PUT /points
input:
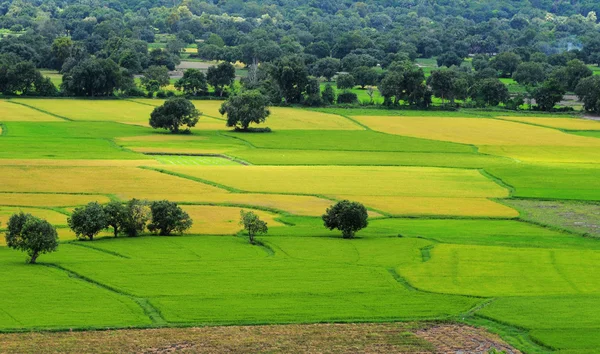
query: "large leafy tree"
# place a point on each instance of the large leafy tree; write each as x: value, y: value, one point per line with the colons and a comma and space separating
x: 30, y: 234
x: 193, y: 82
x: 174, y: 114
x: 245, y: 108
x: 588, y: 92
x: 291, y: 76
x: 168, y: 218
x: 529, y: 74
x: 548, y: 94
x: 86, y: 222
x: 365, y: 76
x: 138, y: 214
x: 116, y: 215
x: 155, y: 77
x: 506, y: 63
x: 346, y: 216
x: 326, y: 67
x: 93, y: 77
x: 220, y: 76
x: 490, y: 92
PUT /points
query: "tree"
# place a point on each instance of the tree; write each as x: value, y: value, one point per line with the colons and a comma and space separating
x: 548, y: 94
x: 247, y: 107
x: 30, y: 234
x: 252, y: 224
x: 588, y: 92
x: 328, y: 94
x: 87, y: 221
x: 449, y: 59
x: 220, y: 76
x: 155, y: 77
x: 529, y: 74
x: 345, y: 81
x: 116, y: 215
x: 193, y: 82
x: 167, y: 218
x: 138, y: 214
x: 365, y: 76
x: 61, y: 50
x: 441, y: 82
x: 291, y: 76
x: 173, y: 114
x: 92, y: 77
x: 326, y: 67
x: 489, y: 92
x: 313, y: 92
x: 347, y: 217
x: 506, y: 63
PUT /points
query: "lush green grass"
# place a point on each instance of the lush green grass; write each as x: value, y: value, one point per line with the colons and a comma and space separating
x: 457, y: 253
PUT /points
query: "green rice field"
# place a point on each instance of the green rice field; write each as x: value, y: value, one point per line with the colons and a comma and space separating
x: 475, y: 218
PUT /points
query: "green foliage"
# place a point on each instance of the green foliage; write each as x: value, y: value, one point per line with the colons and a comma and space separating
x: 116, y: 216
x: 588, y: 91
x: 138, y: 214
x: 347, y: 97
x: 506, y: 63
x: 529, y: 74
x: 548, y: 94
x: 82, y: 79
x: 365, y: 76
x: 328, y: 94
x: 347, y: 217
x: 168, y: 218
x: 30, y: 234
x: 326, y: 67
x: 252, y: 224
x: 489, y: 92
x: 88, y: 221
x: 173, y: 114
x: 155, y: 77
x: 220, y: 76
x: 193, y: 82
x: 345, y: 81
x: 245, y: 108
x: 291, y: 76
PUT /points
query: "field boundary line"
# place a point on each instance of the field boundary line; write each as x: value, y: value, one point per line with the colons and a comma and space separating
x: 40, y: 110
x: 223, y: 156
x: 196, y: 179
x: 112, y: 253
x: 149, y: 310
x: 499, y: 181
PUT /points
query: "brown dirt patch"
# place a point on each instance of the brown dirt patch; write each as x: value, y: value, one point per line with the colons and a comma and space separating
x: 316, y: 338
x: 463, y: 339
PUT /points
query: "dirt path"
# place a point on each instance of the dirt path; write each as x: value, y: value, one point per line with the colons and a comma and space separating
x: 463, y: 339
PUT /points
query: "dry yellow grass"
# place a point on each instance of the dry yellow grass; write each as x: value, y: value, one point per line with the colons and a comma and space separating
x: 561, y: 123
x: 11, y: 112
x: 293, y: 204
x: 53, y: 217
x: 78, y: 163
x: 49, y: 200
x: 124, y: 182
x: 478, y: 131
x: 345, y: 180
x: 220, y: 220
x: 416, y: 206
x: 94, y: 110
x: 545, y: 154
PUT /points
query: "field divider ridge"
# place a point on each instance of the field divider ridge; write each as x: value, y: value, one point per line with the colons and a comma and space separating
x: 41, y: 110
x: 152, y: 312
x: 112, y: 253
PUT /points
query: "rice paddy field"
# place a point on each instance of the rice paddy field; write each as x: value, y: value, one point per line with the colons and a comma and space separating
x: 475, y: 218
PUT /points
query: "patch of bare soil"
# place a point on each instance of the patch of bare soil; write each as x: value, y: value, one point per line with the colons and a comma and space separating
x: 463, y: 339
x: 316, y: 338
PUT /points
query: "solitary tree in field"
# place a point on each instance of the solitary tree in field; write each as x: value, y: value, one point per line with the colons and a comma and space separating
x: 252, y: 224
x: 87, y: 221
x: 347, y: 217
x: 245, y: 108
x: 173, y: 114
x: 32, y: 235
x: 167, y: 218
x: 116, y: 216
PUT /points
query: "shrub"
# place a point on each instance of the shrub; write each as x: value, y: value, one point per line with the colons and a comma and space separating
x: 161, y: 94
x: 347, y: 97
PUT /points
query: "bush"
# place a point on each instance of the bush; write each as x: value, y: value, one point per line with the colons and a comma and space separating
x: 347, y: 217
x: 347, y: 97
x: 135, y: 92
x: 161, y: 94
x: 170, y: 93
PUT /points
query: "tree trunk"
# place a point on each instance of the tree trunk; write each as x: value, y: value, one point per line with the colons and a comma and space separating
x: 116, y: 230
x: 251, y: 236
x: 34, y: 257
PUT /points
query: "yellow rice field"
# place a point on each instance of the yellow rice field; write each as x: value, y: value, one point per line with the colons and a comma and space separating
x: 221, y: 220
x: 93, y: 110
x: 429, y: 206
x: 545, y: 154
x: 78, y: 163
x: 293, y: 204
x: 11, y: 112
x: 342, y: 180
x: 124, y: 182
x: 477, y: 131
x: 53, y: 217
x: 561, y: 123
x: 49, y: 200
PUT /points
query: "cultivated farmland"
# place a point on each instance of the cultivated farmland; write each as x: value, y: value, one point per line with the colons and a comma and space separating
x: 474, y: 218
